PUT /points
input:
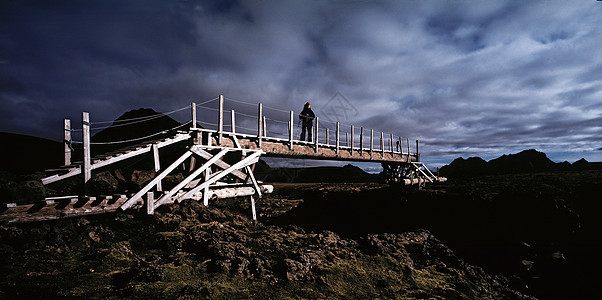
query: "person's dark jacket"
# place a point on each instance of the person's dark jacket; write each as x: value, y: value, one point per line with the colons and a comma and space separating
x: 307, y: 116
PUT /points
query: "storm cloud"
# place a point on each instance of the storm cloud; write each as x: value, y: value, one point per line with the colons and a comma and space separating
x: 466, y: 78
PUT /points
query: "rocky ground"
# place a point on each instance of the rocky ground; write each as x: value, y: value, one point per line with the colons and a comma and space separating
x: 540, y: 232
x: 189, y: 251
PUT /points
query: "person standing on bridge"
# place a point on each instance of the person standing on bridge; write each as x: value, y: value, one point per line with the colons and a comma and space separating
x: 306, y: 117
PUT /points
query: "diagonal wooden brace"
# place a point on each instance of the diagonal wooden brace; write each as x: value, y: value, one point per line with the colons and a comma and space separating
x: 217, y: 176
x: 190, y: 177
x: 220, y: 163
x: 248, y: 169
x: 155, y: 180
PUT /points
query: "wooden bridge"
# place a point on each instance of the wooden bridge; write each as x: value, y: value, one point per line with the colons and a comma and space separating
x: 215, y: 178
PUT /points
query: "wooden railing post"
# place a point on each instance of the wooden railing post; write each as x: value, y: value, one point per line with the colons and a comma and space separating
x: 259, y: 121
x: 408, y: 140
x: 206, y: 189
x: 316, y: 137
x: 221, y: 119
x: 67, y: 141
x: 417, y: 153
x: 347, y: 139
x: 291, y: 128
x: 382, y: 144
x: 327, y: 137
x: 361, y: 140
x: 87, y: 166
x: 351, y: 139
x: 337, y: 135
x: 371, y: 141
x: 391, y: 143
x: 233, y: 121
x: 157, y: 165
x: 193, y: 111
x: 150, y: 203
x: 265, y: 127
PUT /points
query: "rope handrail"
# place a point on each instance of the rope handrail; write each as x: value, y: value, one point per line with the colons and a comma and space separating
x: 240, y: 101
x: 322, y: 121
x: 140, y: 138
x: 206, y: 107
x: 246, y: 115
x: 142, y: 119
x: 157, y: 115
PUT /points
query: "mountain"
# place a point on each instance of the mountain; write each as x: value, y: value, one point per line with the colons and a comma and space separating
x: 527, y: 161
x: 133, y: 127
x: 23, y: 154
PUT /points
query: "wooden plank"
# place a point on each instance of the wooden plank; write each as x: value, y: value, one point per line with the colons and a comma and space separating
x: 351, y: 139
x: 23, y: 213
x: 281, y: 149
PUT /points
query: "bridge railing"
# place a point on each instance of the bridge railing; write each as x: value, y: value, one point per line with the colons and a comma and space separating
x: 252, y: 120
x: 271, y: 124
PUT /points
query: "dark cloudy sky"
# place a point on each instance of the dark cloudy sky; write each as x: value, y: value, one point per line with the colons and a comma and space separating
x: 467, y: 78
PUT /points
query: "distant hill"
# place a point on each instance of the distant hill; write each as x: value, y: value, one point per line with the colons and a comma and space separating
x: 133, y: 126
x: 347, y: 173
x: 23, y: 154
x: 527, y: 161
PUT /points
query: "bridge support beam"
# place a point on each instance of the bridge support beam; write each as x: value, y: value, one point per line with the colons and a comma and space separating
x: 291, y: 132
x: 337, y: 135
x: 259, y: 125
x: 157, y: 165
x: 316, y: 135
x: 87, y: 166
x: 361, y: 140
x: 220, y: 119
x: 67, y: 141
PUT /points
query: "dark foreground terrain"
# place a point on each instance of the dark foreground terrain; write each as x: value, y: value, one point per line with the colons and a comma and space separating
x: 541, y: 232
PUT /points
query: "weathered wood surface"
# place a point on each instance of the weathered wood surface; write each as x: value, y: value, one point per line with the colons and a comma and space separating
x: 308, y: 150
x: 60, y: 208
x: 74, y: 206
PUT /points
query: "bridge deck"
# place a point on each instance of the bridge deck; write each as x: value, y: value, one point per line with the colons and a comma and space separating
x: 306, y: 150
